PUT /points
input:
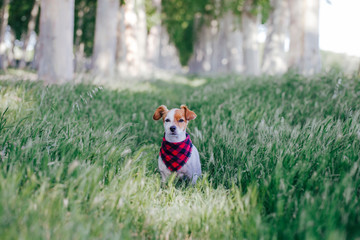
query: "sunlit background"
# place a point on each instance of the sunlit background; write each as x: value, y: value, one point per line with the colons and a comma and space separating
x: 339, y: 26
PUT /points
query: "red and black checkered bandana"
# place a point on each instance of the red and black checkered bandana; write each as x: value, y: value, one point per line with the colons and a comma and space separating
x: 175, y: 155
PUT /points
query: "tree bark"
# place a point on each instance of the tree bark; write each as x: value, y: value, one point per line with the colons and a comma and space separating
x: 35, y: 62
x: 142, y: 29
x: 56, y: 41
x: 4, y: 22
x: 274, y: 60
x: 105, y: 37
x: 31, y: 28
x: 304, y: 53
x: 250, y: 24
x: 132, y: 38
x: 120, y: 35
x: 200, y: 61
x: 231, y: 40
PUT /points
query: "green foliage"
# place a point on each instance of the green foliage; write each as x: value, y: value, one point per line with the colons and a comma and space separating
x: 152, y: 16
x: 19, y: 16
x: 86, y: 9
x: 184, y: 18
x: 179, y: 18
x: 280, y: 157
x: 265, y: 9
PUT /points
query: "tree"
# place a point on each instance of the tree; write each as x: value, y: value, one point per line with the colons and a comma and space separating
x: 274, y: 60
x: 132, y: 38
x: 4, y: 22
x: 161, y: 52
x: 304, y: 53
x: 218, y: 48
x: 250, y: 21
x: 56, y: 41
x: 208, y: 33
x: 183, y: 20
x: 105, y: 37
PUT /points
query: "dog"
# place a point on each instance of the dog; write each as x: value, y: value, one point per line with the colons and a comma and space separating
x: 177, y: 153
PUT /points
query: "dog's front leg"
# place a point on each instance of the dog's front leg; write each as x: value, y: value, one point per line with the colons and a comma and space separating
x: 194, y: 179
x: 163, y: 177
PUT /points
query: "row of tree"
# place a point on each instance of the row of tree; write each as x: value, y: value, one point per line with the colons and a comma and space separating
x: 138, y: 36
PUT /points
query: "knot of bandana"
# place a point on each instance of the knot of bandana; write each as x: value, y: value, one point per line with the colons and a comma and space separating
x: 175, y: 155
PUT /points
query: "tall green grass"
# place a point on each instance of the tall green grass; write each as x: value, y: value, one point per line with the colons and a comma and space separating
x: 280, y: 157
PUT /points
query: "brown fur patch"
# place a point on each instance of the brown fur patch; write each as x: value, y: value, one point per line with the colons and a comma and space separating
x: 160, y: 112
x: 189, y: 115
x: 180, y: 114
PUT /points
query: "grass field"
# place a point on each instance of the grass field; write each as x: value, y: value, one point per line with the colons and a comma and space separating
x: 280, y: 157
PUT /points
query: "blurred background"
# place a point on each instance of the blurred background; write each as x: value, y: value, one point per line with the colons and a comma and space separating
x: 60, y: 40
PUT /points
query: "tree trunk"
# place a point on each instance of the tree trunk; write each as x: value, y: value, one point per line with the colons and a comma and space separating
x: 56, y: 41
x: 120, y: 35
x: 35, y: 62
x: 142, y: 29
x: 200, y: 61
x: 274, y: 60
x: 304, y: 53
x: 4, y: 22
x: 229, y: 54
x: 161, y: 53
x: 105, y: 37
x: 31, y: 27
x: 132, y: 35
x: 250, y: 24
x: 218, y: 48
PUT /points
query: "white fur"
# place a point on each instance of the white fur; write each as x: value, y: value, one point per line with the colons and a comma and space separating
x: 179, y: 135
x: 192, y: 168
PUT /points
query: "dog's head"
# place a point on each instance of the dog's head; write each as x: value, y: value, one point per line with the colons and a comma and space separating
x: 175, y: 121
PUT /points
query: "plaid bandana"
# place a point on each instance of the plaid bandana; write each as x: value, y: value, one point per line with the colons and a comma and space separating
x: 175, y: 155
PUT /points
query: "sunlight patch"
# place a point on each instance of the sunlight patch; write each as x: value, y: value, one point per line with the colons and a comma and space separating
x: 17, y: 103
x: 172, y: 78
x: 11, y: 99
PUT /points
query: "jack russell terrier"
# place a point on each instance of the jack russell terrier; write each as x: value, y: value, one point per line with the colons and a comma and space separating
x: 177, y: 153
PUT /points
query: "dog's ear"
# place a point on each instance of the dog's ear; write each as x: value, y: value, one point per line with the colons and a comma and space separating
x: 160, y: 111
x: 189, y: 115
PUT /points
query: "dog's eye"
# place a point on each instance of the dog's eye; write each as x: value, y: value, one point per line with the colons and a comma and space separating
x: 181, y: 120
x: 167, y: 120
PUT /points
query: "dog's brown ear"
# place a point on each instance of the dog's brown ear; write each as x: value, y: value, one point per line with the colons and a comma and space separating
x: 160, y: 111
x: 189, y: 115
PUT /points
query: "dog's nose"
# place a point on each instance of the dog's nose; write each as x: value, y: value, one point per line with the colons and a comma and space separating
x: 172, y: 128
